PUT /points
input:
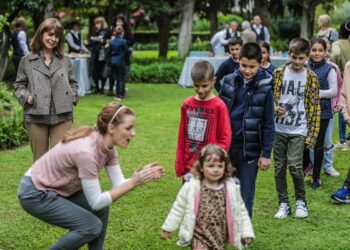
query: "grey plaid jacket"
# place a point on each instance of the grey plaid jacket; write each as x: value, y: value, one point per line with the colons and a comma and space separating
x: 34, y: 79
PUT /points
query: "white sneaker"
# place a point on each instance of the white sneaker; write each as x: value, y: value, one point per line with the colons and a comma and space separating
x: 283, y: 211
x: 301, y: 209
x: 342, y: 146
x: 332, y: 172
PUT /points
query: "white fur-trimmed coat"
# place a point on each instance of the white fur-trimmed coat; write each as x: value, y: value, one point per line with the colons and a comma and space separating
x: 185, y: 209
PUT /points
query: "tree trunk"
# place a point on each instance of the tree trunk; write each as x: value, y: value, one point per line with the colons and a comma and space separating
x: 4, y: 48
x: 307, y: 18
x: 38, y: 17
x: 185, y: 36
x: 49, y: 10
x: 5, y: 41
x: 110, y: 13
x: 261, y: 9
x: 163, y: 23
x: 213, y: 17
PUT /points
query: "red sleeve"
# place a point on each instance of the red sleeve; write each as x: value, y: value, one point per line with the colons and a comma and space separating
x: 180, y: 152
x: 224, y: 128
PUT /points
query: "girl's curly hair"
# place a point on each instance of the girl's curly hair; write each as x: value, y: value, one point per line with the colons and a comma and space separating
x: 207, y: 153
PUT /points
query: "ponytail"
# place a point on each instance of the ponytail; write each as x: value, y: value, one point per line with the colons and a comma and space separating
x: 78, y: 133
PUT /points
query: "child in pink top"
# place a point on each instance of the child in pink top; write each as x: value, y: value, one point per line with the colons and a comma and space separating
x: 62, y: 188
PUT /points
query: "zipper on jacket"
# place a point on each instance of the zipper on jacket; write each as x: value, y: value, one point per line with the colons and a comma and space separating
x: 243, y: 123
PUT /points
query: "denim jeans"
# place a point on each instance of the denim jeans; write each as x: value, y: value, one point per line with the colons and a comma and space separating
x: 342, y: 127
x: 328, y: 148
x: 247, y: 171
x: 73, y: 213
x: 288, y: 152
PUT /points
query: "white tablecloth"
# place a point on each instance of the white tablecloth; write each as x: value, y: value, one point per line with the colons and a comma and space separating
x: 185, y: 77
x: 81, y: 72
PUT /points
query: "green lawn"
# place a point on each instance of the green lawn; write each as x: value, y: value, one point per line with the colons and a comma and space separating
x: 135, y: 220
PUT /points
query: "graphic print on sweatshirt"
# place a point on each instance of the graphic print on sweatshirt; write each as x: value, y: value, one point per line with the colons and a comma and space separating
x: 199, y: 122
x: 292, y: 100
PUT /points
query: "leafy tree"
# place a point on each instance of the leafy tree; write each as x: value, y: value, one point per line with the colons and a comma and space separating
x: 163, y: 11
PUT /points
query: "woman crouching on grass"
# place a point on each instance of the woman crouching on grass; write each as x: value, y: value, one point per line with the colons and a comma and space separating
x: 62, y: 187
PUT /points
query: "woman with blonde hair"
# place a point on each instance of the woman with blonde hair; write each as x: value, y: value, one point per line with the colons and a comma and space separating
x: 46, y: 88
x: 62, y: 188
x: 326, y: 31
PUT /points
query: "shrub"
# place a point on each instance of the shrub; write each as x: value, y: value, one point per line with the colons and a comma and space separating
x: 12, y: 132
x: 284, y: 29
x: 152, y: 36
x: 157, y: 72
x: 228, y: 19
x: 197, y: 45
x: 10, y: 74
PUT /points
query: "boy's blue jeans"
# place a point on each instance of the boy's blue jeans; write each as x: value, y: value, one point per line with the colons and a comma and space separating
x: 247, y: 172
x: 342, y: 127
x: 73, y: 213
x: 328, y: 148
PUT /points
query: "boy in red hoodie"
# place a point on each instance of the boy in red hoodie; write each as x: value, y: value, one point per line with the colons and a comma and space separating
x: 204, y: 120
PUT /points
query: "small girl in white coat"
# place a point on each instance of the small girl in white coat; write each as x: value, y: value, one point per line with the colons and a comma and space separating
x: 209, y: 207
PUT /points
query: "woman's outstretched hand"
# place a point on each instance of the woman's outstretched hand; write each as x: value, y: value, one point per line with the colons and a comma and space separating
x: 148, y: 173
x: 141, y: 176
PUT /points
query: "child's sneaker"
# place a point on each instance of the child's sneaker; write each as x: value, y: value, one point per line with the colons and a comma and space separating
x: 316, y: 183
x: 342, y: 146
x: 342, y: 195
x: 283, y: 211
x: 301, y: 209
x: 331, y: 171
x: 309, y: 169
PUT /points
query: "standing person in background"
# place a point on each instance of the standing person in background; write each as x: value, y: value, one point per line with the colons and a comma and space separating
x: 324, y: 23
x: 46, y: 88
x: 62, y: 188
x: 98, y: 53
x: 217, y: 47
x: 120, y: 20
x: 118, y: 51
x: 231, y: 64
x: 261, y: 31
x: 247, y: 34
x: 266, y: 62
x: 19, y: 42
x: 340, y: 56
x: 75, y: 40
x: 231, y: 31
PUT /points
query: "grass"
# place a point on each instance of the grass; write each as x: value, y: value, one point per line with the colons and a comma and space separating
x: 135, y: 219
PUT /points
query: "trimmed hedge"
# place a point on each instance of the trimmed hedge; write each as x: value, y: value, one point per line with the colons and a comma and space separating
x: 12, y: 132
x: 156, y: 72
